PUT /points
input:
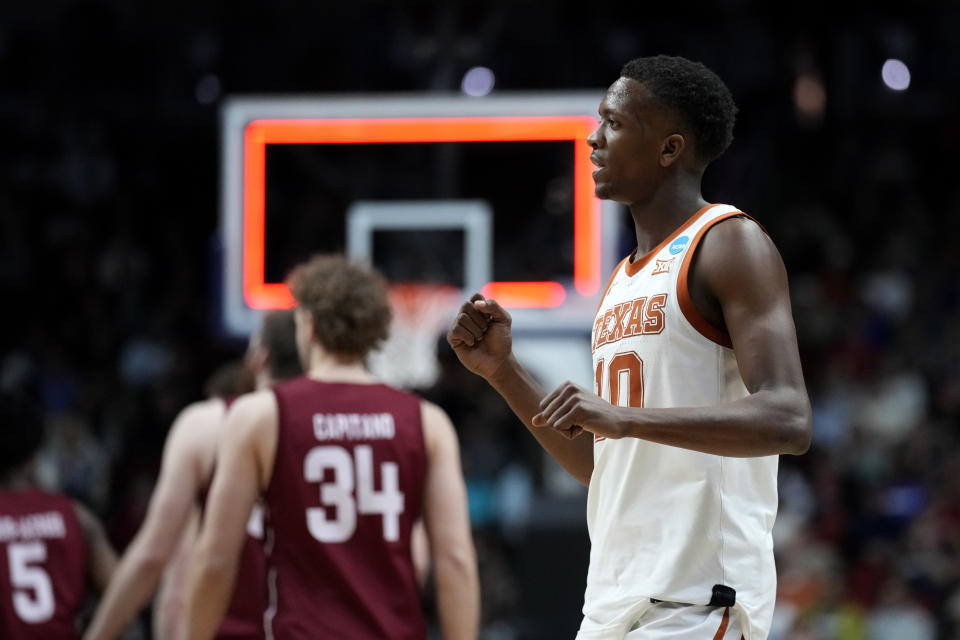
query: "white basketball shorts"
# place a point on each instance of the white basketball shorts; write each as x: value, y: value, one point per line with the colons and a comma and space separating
x: 668, y: 620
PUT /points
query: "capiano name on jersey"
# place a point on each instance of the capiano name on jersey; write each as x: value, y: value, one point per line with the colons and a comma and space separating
x: 353, y: 426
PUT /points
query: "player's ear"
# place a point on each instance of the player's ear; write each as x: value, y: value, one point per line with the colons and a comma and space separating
x: 671, y: 149
x: 303, y: 323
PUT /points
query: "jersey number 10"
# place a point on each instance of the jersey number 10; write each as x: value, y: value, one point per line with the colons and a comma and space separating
x: 625, y: 385
x: 348, y: 497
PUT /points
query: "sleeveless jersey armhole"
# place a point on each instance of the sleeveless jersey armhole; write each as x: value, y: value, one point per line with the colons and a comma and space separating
x: 684, y: 299
x: 279, y: 396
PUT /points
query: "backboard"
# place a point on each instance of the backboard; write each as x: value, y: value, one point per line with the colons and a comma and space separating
x: 474, y: 193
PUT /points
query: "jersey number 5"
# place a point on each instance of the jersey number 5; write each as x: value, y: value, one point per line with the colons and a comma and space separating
x: 348, y: 498
x: 32, y: 589
x: 625, y: 380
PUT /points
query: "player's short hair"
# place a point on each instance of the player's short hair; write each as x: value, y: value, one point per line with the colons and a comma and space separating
x: 229, y: 379
x: 695, y: 94
x: 278, y: 335
x: 348, y: 301
x: 21, y: 431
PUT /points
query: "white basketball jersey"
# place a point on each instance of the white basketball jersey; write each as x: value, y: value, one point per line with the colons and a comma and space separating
x: 665, y: 522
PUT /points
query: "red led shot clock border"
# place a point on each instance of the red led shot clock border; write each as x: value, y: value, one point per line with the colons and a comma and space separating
x: 586, y: 208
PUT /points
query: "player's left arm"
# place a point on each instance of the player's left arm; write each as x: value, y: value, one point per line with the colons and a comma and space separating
x: 739, y: 268
x: 102, y: 558
x: 447, y: 522
x: 244, y: 464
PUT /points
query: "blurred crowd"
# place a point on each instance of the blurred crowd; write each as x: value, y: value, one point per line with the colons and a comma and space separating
x: 108, y: 262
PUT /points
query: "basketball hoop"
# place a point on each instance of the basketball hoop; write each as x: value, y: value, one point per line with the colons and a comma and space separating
x: 422, y: 312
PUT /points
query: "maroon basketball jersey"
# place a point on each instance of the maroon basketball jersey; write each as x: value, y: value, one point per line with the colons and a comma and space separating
x: 43, y: 566
x: 347, y: 486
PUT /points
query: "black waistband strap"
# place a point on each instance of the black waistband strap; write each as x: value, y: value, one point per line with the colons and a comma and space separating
x: 723, y: 596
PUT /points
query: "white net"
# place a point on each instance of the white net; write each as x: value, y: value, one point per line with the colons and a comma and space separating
x: 421, y: 314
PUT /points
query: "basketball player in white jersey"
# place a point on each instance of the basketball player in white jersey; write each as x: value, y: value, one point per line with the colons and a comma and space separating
x: 698, y: 384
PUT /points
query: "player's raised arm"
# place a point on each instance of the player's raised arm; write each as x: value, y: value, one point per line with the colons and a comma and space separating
x: 142, y: 565
x: 244, y: 461
x: 448, y: 529
x: 738, y: 272
x: 482, y: 341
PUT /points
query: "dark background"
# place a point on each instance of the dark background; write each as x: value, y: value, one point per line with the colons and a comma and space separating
x: 108, y: 216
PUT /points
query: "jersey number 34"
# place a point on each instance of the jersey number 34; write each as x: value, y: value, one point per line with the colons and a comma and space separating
x: 351, y: 492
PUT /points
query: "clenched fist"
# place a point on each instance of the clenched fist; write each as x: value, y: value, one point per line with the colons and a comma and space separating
x: 480, y: 336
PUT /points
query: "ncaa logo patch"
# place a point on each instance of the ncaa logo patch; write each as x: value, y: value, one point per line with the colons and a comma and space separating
x: 678, y: 245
